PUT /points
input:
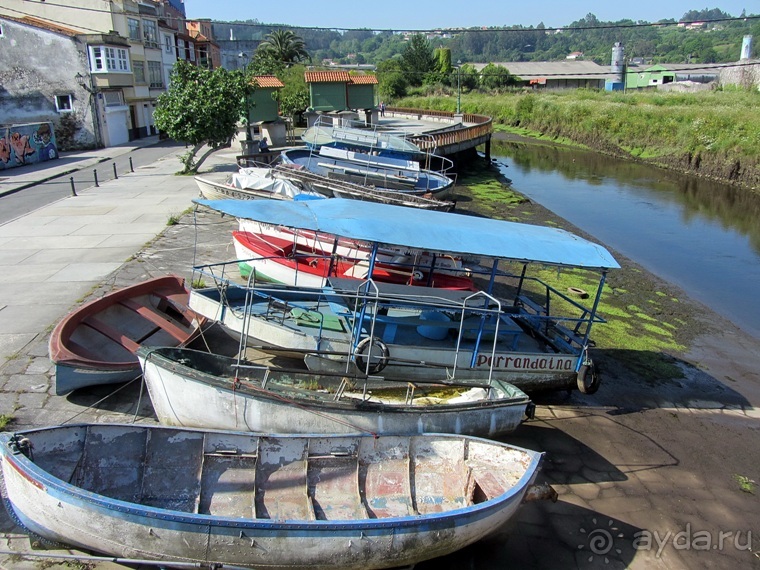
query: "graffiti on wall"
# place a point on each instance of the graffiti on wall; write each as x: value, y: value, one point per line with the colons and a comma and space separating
x: 26, y: 144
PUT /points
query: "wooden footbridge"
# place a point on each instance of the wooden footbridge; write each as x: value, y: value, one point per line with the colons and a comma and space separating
x: 458, y: 134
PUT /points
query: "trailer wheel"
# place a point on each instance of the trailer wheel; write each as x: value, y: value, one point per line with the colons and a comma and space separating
x: 366, y: 355
x: 588, y: 380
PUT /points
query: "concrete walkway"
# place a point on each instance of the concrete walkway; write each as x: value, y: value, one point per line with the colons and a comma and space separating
x: 56, y: 255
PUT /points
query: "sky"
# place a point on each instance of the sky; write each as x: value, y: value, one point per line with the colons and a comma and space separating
x: 427, y: 14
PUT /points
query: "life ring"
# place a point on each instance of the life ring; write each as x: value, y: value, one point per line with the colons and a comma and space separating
x: 365, y: 358
x: 578, y: 292
x: 588, y: 380
x: 417, y: 275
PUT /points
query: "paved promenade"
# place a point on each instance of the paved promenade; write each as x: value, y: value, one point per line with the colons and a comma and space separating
x: 639, y: 469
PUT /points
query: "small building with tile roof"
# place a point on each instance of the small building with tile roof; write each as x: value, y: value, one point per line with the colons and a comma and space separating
x: 262, y: 106
x: 361, y: 91
x: 340, y: 90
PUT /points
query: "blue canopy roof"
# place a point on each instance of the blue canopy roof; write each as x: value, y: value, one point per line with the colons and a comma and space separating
x: 423, y: 229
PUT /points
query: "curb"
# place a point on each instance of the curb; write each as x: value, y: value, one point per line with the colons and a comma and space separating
x: 51, y: 177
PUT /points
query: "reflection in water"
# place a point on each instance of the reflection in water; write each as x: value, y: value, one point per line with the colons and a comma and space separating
x: 702, y: 235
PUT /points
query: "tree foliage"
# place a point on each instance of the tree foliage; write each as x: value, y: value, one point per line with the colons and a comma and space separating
x: 294, y: 97
x: 417, y: 59
x: 391, y: 79
x: 495, y: 77
x: 201, y: 107
x: 283, y: 46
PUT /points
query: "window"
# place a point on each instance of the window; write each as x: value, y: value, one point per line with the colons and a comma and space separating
x: 108, y: 59
x: 63, y: 104
x: 155, y: 74
x: 168, y: 44
x: 150, y: 31
x: 138, y: 68
x: 113, y: 98
x: 134, y: 29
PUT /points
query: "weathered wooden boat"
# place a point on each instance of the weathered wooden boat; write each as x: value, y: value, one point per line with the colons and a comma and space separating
x: 335, y: 188
x: 536, y: 335
x: 230, y: 499
x: 249, y: 184
x: 379, y: 171
x: 190, y: 388
x: 281, y: 260
x: 355, y: 136
x: 96, y: 343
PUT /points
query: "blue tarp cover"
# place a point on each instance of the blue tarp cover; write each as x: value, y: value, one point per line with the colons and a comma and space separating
x: 423, y: 229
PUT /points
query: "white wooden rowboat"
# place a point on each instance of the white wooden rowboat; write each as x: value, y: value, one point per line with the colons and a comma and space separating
x: 219, y: 499
x: 196, y: 389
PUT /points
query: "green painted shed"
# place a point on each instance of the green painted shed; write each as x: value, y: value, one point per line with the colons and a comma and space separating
x: 262, y: 106
x: 361, y: 92
x: 340, y: 91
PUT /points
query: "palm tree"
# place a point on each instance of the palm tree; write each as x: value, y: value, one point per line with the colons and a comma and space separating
x: 285, y: 47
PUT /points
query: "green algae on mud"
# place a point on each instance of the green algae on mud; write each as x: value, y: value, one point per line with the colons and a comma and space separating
x: 647, y: 326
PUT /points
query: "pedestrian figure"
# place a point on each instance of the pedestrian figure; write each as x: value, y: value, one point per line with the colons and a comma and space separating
x: 382, y: 109
x: 263, y: 146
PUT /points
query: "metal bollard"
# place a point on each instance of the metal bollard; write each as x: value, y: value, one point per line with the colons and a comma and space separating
x: 116, y: 176
x: 73, y: 190
x: 95, y: 172
x: 131, y: 168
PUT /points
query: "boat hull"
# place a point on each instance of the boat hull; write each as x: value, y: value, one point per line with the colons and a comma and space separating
x: 184, y: 396
x: 96, y: 343
x: 330, y: 349
x: 89, y: 516
x: 365, y: 170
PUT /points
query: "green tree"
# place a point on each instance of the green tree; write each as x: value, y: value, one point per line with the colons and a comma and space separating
x: 392, y: 80
x: 417, y: 59
x: 201, y: 107
x: 294, y: 97
x: 495, y: 77
x: 283, y: 46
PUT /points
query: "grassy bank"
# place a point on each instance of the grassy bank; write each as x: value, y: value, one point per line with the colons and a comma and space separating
x: 710, y: 133
x: 648, y: 325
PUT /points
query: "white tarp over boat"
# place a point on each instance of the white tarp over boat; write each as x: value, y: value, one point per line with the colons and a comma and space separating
x: 262, y: 179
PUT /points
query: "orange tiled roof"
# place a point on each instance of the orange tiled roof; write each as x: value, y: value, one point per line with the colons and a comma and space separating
x: 44, y: 24
x: 364, y: 79
x: 268, y: 81
x: 327, y: 77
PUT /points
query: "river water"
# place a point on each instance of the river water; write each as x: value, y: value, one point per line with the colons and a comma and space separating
x: 700, y: 235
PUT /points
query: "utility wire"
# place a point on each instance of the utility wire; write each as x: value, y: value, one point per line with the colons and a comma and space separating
x: 474, y: 29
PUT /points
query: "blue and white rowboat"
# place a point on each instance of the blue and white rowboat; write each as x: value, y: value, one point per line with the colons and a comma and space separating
x: 216, y: 498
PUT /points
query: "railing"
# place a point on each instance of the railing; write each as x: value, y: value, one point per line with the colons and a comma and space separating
x: 483, y: 126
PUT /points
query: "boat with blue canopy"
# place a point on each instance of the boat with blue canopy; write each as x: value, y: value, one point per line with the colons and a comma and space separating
x: 519, y: 327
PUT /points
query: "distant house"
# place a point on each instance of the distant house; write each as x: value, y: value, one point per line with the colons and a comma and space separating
x: 574, y: 55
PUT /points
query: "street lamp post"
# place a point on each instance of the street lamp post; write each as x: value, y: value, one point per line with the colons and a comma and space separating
x: 85, y: 82
x: 244, y: 57
x: 459, y: 89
